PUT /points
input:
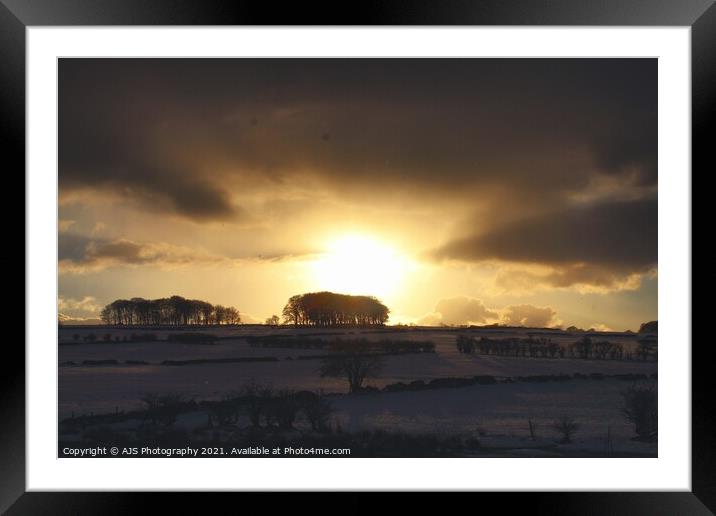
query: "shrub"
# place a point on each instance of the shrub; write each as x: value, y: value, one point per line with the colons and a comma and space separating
x: 441, y: 383
x: 256, y: 398
x: 566, y: 426
x: 224, y: 412
x: 641, y: 409
x: 283, y: 409
x: 163, y: 409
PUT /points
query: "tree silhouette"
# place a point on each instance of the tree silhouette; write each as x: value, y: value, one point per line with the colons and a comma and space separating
x: 354, y: 367
x: 327, y: 309
x: 641, y: 403
x: 175, y: 311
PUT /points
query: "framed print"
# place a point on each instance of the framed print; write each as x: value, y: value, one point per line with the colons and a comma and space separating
x: 434, y: 250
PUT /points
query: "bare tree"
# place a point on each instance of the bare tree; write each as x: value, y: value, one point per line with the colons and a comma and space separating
x: 354, y: 367
x: 232, y: 315
x: 567, y: 427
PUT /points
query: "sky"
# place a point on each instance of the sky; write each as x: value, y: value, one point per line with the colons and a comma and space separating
x: 513, y: 191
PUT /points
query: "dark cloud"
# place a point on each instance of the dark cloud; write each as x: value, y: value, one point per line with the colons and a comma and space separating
x: 587, y: 277
x: 122, y: 251
x: 71, y: 246
x: 188, y: 136
x: 78, y: 253
x: 189, y: 196
x: 584, y: 241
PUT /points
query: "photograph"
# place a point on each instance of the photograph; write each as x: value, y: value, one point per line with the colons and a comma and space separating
x: 357, y: 257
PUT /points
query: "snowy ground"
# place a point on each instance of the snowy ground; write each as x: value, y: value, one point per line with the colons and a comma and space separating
x: 497, y: 413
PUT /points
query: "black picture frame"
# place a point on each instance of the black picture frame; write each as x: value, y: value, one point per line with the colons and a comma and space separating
x: 700, y: 15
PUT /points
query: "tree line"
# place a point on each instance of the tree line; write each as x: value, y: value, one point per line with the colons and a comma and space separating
x: 327, y: 309
x: 584, y: 348
x: 174, y: 311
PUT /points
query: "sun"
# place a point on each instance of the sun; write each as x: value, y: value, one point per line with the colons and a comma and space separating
x: 359, y: 264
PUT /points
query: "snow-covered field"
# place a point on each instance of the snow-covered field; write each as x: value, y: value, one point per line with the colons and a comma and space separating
x: 498, y: 413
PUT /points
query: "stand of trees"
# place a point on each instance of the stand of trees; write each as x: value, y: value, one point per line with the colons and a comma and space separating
x: 175, y: 310
x: 326, y: 309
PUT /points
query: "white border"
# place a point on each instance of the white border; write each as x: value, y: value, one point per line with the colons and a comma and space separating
x: 671, y: 471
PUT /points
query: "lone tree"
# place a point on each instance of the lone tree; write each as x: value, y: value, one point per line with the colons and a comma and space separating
x: 273, y: 321
x: 354, y: 367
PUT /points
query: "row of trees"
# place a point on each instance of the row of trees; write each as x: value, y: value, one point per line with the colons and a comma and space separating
x: 263, y: 406
x: 174, y: 310
x: 327, y: 309
x: 584, y: 348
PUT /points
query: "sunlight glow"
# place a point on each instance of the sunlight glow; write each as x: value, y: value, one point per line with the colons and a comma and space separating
x: 358, y: 264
